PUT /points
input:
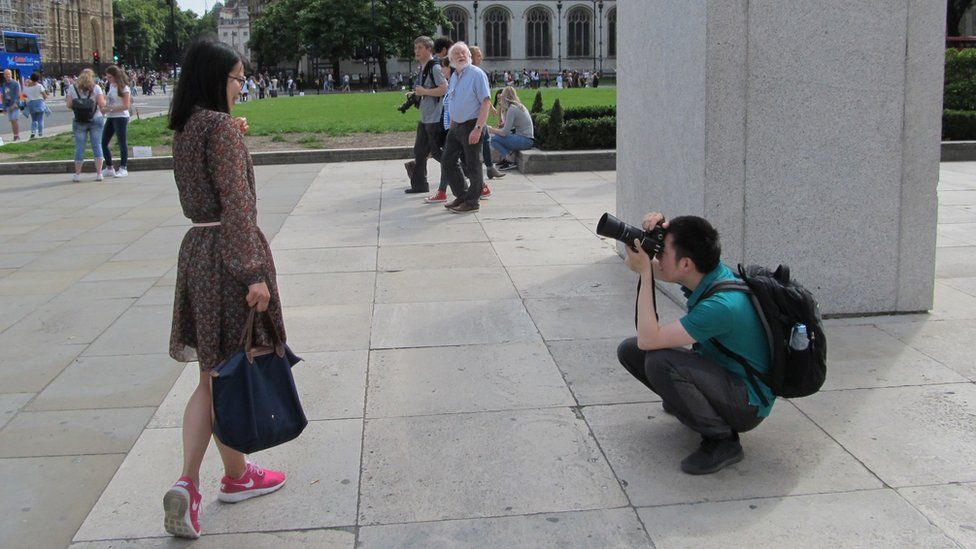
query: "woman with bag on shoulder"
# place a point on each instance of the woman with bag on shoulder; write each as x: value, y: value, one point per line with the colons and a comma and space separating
x: 118, y: 97
x: 35, y: 94
x: 225, y: 268
x: 86, y: 100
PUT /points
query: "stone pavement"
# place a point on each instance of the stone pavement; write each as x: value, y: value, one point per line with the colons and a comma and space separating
x: 460, y: 379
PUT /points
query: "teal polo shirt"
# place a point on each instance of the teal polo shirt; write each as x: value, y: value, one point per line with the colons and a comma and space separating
x: 730, y: 318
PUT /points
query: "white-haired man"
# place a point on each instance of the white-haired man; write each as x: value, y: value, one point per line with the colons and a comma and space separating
x: 469, y: 102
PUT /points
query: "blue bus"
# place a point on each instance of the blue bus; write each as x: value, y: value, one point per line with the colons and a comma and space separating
x: 19, y: 53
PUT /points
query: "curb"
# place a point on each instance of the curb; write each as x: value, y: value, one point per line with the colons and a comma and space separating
x: 958, y: 151
x: 314, y: 156
x: 535, y: 161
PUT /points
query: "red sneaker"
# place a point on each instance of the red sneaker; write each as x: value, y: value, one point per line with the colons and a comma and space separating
x: 485, y: 192
x: 439, y: 196
x: 182, y: 507
x: 255, y: 482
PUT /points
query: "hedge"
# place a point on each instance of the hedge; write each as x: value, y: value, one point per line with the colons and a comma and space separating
x: 592, y: 127
x: 959, y: 95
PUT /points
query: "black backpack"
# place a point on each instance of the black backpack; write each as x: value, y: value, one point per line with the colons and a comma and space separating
x: 83, y: 107
x: 782, y: 305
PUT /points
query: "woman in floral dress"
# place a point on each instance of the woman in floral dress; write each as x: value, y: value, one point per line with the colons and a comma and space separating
x: 225, y: 268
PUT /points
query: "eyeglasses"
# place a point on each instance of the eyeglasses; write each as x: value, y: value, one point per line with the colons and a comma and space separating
x: 240, y: 80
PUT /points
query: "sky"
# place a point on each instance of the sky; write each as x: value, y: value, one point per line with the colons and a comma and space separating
x: 198, y: 6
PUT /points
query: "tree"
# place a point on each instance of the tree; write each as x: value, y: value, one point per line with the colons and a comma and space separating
x: 399, y: 23
x: 276, y: 36
x: 333, y: 29
x: 954, y: 12
x: 139, y: 29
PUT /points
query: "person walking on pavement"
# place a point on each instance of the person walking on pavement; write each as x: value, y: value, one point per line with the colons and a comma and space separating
x: 36, y: 94
x: 118, y: 100
x: 225, y: 269
x: 87, y: 123
x: 430, y: 87
x: 11, y: 100
x: 470, y: 100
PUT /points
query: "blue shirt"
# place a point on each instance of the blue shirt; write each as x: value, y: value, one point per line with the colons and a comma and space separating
x: 11, y: 93
x: 731, y: 319
x: 467, y: 93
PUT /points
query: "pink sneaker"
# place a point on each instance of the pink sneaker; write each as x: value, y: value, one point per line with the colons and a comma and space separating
x: 182, y: 507
x: 255, y: 482
x: 485, y: 192
x: 439, y: 196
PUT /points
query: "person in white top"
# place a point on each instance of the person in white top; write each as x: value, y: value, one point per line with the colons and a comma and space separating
x: 85, y: 89
x: 118, y: 100
x: 36, y: 94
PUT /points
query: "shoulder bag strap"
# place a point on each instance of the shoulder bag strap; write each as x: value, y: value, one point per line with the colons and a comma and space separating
x: 751, y: 373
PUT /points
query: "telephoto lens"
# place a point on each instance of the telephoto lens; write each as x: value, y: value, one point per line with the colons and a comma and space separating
x: 651, y: 241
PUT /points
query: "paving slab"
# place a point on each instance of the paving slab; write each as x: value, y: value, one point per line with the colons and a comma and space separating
x: 594, y: 375
x: 322, y: 468
x: 438, y: 380
x: 434, y: 324
x: 470, y: 255
x: 592, y: 317
x: 448, y: 233
x: 875, y: 518
x: 299, y: 290
x: 332, y: 385
x: 28, y: 369
x: 12, y: 403
x: 39, y: 282
x: 602, y: 528
x: 579, y: 251
x: 488, y: 464
x: 66, y: 322
x: 140, y: 268
x: 170, y: 411
x: 597, y: 279
x: 907, y: 436
x: 328, y: 327
x: 302, y: 539
x: 17, y: 307
x: 860, y: 357
x: 947, y: 341
x: 325, y: 260
x: 110, y: 382
x: 951, y: 507
x: 785, y: 455
x: 46, y: 513
x: 444, y: 285
x: 508, y: 230
x: 291, y: 239
x: 61, y: 433
x: 140, y: 330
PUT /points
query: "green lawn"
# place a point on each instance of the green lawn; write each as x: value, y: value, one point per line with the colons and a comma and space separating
x: 334, y: 115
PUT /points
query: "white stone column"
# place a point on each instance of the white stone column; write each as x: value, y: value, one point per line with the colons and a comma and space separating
x: 807, y: 133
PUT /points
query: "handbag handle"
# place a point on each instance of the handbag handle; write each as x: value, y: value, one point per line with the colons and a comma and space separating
x: 247, y: 338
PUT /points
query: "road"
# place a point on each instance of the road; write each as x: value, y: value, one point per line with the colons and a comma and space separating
x: 60, y: 120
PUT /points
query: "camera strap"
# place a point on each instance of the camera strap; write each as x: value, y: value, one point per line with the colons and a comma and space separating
x: 653, y: 299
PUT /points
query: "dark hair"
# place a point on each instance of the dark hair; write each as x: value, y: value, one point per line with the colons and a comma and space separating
x: 442, y: 43
x: 35, y: 76
x: 121, y: 79
x: 696, y: 239
x: 203, y: 81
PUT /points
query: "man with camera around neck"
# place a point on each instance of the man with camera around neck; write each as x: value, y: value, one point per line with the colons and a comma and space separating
x: 704, y: 388
x: 429, y: 88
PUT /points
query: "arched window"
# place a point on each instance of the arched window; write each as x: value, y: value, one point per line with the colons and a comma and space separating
x: 459, y: 22
x: 612, y: 33
x: 496, y: 33
x: 538, y: 33
x: 579, y: 24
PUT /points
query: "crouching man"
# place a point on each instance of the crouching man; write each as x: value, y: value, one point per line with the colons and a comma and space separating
x: 702, y: 387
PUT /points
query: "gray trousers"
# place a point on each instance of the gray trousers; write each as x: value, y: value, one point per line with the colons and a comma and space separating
x: 703, y: 395
x: 426, y: 142
x: 457, y: 148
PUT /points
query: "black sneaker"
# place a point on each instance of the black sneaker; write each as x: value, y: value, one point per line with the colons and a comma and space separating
x: 506, y: 166
x: 713, y: 455
x: 464, y: 207
x: 454, y: 203
x: 411, y: 190
x: 668, y: 409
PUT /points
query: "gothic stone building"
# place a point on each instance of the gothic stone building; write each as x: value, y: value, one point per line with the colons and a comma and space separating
x: 69, y: 31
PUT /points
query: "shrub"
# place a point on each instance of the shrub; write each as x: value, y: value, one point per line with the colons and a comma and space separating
x: 576, y: 128
x: 959, y: 125
x: 537, y: 104
x: 592, y: 111
x: 959, y: 92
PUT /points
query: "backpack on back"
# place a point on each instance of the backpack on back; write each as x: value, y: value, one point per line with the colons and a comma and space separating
x: 794, y: 328
x: 83, y: 107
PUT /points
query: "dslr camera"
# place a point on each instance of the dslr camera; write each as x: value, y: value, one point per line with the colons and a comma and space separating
x: 651, y: 241
x: 412, y: 101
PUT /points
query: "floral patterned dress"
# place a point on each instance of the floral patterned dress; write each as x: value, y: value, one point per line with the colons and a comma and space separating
x: 215, y: 179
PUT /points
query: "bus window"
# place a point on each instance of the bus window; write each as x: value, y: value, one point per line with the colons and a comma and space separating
x: 20, y: 44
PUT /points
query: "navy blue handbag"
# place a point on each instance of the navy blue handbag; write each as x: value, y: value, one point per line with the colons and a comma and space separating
x: 255, y: 400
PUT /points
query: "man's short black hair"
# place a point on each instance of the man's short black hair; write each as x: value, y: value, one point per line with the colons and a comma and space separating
x: 696, y: 239
x: 442, y: 43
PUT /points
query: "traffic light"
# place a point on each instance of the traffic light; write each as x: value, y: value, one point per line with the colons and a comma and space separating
x: 115, y: 58
x: 95, y: 57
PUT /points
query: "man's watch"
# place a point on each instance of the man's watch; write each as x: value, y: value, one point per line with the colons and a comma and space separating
x: 478, y: 127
